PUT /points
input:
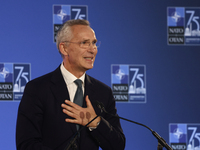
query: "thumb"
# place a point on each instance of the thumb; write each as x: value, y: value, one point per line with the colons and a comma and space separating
x: 88, y: 103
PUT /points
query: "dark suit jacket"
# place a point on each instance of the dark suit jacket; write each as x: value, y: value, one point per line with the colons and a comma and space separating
x: 41, y: 123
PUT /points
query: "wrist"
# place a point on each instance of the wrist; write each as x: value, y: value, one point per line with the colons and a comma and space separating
x: 92, y: 128
x: 95, y: 124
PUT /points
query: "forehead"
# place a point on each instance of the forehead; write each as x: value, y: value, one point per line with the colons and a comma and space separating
x: 83, y: 32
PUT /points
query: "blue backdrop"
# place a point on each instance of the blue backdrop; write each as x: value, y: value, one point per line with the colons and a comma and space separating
x: 131, y: 32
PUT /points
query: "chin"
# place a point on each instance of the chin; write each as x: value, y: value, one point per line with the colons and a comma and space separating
x: 87, y: 68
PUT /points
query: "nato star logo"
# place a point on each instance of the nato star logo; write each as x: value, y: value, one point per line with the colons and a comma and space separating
x: 176, y: 17
x: 119, y: 74
x: 178, y: 133
x: 4, y: 73
x: 61, y: 14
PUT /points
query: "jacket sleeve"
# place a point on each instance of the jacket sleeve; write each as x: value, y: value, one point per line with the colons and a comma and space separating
x: 29, y: 122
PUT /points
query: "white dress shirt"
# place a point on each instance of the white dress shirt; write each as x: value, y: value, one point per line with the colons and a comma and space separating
x: 69, y: 80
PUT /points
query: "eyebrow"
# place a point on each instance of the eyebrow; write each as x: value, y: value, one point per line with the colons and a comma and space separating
x: 89, y: 40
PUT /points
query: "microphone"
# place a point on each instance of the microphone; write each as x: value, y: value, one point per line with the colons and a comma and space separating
x: 73, y: 139
x: 161, y: 141
x: 100, y: 105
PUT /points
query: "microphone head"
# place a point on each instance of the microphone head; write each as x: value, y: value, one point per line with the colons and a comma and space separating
x: 99, y: 104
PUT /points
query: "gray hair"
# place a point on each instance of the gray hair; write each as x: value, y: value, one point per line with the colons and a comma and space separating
x: 65, y: 33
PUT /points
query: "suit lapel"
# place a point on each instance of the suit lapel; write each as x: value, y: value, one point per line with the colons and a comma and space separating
x: 60, y: 91
x: 89, y: 90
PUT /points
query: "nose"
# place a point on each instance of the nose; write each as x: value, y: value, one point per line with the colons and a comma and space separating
x: 92, y: 48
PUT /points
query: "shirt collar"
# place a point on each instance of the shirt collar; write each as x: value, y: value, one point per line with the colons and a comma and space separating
x: 69, y: 77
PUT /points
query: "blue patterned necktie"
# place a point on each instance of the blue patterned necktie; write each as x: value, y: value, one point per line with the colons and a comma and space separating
x: 78, y: 98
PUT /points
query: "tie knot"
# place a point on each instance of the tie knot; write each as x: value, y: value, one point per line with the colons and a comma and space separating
x: 78, y: 82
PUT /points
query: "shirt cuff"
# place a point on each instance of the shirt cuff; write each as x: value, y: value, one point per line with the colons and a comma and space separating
x: 92, y: 128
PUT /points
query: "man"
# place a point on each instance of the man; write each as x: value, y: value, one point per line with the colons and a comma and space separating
x: 48, y: 117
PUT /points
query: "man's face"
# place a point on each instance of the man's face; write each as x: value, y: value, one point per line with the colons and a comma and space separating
x: 81, y: 59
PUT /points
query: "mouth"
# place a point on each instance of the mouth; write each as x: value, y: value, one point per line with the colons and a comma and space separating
x: 89, y: 58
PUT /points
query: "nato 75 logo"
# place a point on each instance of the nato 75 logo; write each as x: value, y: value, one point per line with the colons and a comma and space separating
x: 13, y: 78
x: 62, y: 13
x: 185, y: 136
x: 183, y: 25
x: 129, y: 83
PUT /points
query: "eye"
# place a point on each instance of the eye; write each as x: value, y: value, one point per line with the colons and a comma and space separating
x: 84, y: 42
x: 94, y: 42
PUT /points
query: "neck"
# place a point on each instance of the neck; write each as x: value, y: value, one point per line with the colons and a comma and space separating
x: 77, y: 73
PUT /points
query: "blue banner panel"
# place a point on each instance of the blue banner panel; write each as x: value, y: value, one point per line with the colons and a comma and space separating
x: 184, y: 136
x: 13, y: 79
x: 129, y: 83
x: 183, y: 25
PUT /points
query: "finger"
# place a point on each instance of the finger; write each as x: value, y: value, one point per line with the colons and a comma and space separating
x: 64, y: 106
x: 70, y: 111
x: 72, y: 104
x: 88, y: 103
x: 71, y: 114
x: 67, y: 107
x: 68, y: 102
x: 71, y: 120
x: 78, y: 120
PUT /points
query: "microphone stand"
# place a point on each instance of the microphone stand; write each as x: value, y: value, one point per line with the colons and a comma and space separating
x: 77, y: 133
x: 161, y: 142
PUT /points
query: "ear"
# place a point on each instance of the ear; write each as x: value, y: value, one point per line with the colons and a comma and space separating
x: 63, y: 49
